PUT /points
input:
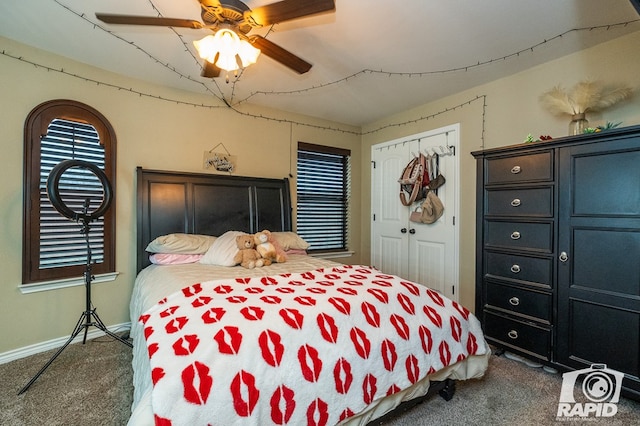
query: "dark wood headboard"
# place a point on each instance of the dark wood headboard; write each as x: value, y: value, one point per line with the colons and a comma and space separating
x: 199, y: 203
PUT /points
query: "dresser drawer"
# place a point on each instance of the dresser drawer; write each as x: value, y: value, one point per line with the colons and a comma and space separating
x: 520, y: 301
x: 519, y: 235
x: 520, y: 202
x: 530, y: 270
x: 517, y: 334
x: 520, y: 168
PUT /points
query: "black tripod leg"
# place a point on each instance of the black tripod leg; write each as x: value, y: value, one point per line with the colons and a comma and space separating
x: 76, y: 331
x: 99, y: 324
x: 87, y: 324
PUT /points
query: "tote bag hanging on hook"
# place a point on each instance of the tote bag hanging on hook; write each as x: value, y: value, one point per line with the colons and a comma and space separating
x: 432, y: 208
x: 430, y: 211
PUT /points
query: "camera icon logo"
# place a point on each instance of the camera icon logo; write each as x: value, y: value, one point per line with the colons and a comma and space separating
x: 600, y: 388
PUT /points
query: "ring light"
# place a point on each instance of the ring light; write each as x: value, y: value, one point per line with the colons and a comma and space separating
x: 53, y: 190
x: 89, y: 317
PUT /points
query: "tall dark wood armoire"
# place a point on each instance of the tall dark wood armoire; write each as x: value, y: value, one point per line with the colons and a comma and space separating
x: 558, y: 251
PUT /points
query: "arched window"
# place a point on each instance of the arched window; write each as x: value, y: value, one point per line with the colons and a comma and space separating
x: 53, y: 246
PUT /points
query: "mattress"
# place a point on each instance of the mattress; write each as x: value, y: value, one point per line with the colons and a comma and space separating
x: 157, y: 282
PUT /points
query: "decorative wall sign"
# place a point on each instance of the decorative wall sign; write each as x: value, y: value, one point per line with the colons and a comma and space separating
x: 222, y: 162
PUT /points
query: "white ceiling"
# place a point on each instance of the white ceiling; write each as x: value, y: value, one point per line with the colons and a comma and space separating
x: 371, y: 58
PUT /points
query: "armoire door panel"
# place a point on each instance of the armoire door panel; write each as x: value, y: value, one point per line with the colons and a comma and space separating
x: 607, y: 260
x: 603, y: 334
x: 606, y: 184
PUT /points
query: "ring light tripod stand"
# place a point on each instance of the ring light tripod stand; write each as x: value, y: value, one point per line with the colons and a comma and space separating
x: 89, y: 317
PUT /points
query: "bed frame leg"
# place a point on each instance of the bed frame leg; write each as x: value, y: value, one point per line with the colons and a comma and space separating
x: 448, y: 390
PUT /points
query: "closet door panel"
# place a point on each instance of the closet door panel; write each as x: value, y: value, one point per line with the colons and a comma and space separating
x: 429, y: 263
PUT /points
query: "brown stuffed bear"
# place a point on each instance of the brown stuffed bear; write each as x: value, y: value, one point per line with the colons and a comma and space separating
x: 247, y: 255
x: 268, y: 248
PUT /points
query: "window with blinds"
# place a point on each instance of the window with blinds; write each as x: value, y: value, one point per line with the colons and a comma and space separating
x: 54, y: 247
x: 61, y: 242
x: 323, y: 177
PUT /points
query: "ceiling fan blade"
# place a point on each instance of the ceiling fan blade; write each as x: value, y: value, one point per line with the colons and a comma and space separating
x: 209, y: 70
x: 286, y: 10
x: 148, y: 20
x: 279, y: 54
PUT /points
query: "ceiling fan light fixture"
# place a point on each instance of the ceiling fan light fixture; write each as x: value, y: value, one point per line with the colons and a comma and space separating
x: 247, y: 53
x: 226, y: 46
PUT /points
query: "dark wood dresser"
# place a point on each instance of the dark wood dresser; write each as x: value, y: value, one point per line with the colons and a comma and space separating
x: 558, y: 251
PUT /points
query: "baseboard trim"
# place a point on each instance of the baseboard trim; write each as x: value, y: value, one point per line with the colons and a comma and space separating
x: 56, y: 343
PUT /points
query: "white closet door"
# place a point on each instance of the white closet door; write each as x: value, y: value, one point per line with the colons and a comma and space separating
x: 389, y: 251
x: 424, y: 253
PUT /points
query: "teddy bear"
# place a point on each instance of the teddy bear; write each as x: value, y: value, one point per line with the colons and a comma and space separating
x: 268, y: 248
x: 247, y: 255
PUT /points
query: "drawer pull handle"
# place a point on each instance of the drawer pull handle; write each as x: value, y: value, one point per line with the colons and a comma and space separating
x: 515, y: 202
x: 564, y: 257
x: 515, y: 268
x: 515, y: 302
x: 513, y: 334
x: 515, y: 235
x: 515, y: 170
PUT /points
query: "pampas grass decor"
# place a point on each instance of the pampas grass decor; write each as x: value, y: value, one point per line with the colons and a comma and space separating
x: 587, y: 95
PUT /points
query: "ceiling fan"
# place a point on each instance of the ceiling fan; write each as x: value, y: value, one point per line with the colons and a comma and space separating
x: 234, y: 15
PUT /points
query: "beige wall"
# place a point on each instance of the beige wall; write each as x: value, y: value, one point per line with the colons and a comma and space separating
x: 165, y: 135
x: 150, y: 133
x: 512, y: 112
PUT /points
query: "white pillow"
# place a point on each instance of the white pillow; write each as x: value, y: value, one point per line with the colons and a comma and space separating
x: 290, y: 241
x: 174, y: 258
x: 181, y: 243
x: 223, y: 250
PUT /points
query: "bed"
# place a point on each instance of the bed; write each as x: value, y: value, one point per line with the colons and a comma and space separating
x: 307, y: 341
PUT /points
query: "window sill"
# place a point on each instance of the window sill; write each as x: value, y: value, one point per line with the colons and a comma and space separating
x: 332, y: 255
x: 67, y: 282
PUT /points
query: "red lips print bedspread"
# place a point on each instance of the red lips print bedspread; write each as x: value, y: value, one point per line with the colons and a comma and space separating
x: 308, y: 348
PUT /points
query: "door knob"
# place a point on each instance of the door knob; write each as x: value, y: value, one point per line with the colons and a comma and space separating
x: 403, y: 230
x: 563, y: 257
x: 412, y: 231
